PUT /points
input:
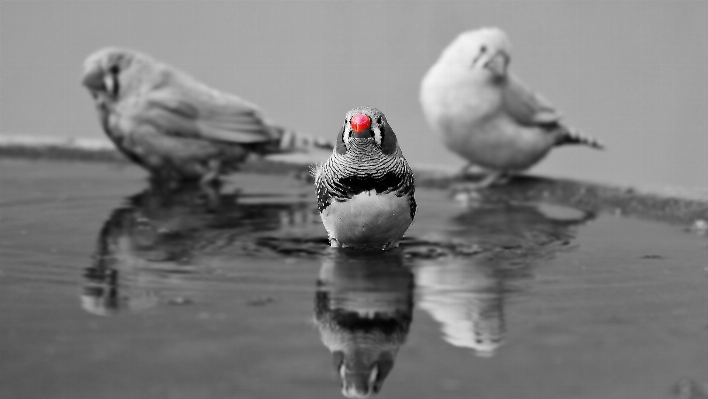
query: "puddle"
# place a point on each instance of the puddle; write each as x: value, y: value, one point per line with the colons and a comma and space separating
x: 112, y: 289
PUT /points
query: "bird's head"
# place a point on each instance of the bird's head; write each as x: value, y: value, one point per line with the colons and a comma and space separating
x: 485, y: 49
x: 367, y: 127
x: 110, y: 72
x: 363, y: 371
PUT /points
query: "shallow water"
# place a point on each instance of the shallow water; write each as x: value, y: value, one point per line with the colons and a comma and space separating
x: 113, y: 290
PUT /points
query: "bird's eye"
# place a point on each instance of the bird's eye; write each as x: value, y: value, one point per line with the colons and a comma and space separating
x: 114, y: 69
x: 378, y: 120
x: 483, y: 49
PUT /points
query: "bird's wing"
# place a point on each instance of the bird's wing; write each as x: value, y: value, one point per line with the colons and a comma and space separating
x: 526, y: 106
x: 200, y: 112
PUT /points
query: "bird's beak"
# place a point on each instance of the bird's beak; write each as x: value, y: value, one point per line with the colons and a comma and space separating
x: 359, y: 384
x: 361, y: 125
x: 94, y: 80
x: 498, y: 63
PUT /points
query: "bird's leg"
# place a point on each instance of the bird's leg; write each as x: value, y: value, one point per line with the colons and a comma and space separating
x: 503, y: 177
x: 494, y: 177
x: 470, y: 169
x: 212, y: 192
x: 212, y: 174
x: 469, y: 188
x: 210, y: 184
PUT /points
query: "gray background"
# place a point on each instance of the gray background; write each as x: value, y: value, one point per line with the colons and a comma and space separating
x: 632, y: 73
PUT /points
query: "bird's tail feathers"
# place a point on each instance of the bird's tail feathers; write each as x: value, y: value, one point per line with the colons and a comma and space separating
x: 571, y: 136
x: 289, y: 140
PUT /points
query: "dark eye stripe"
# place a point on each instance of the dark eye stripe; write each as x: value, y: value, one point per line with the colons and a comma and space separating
x: 341, y: 147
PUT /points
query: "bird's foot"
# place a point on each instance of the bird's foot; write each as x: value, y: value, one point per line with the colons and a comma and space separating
x: 487, y: 181
x: 471, y: 171
x: 467, y: 193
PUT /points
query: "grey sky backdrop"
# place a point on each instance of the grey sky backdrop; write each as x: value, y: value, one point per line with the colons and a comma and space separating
x: 632, y: 73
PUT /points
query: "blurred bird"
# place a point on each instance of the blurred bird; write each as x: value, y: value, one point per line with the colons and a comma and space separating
x: 467, y: 294
x: 365, y: 189
x: 156, y: 238
x: 175, y: 126
x: 485, y: 113
x: 466, y: 297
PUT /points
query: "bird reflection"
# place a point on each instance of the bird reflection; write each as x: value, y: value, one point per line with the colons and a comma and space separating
x: 466, y: 295
x: 153, y: 239
x: 363, y: 310
x: 467, y: 299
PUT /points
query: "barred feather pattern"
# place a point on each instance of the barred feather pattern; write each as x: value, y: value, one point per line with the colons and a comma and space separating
x: 363, y: 168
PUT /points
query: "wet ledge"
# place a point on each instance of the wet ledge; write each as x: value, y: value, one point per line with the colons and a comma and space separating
x: 687, y: 206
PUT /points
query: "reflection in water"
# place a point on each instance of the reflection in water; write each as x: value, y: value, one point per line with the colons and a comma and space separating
x: 153, y: 240
x: 363, y: 309
x: 466, y: 294
x: 466, y: 298
x: 104, y: 293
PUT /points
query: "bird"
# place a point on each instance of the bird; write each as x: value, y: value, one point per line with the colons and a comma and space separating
x: 176, y: 127
x: 365, y: 189
x: 485, y: 113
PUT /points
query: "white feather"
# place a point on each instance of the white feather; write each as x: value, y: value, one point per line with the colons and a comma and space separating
x: 368, y: 220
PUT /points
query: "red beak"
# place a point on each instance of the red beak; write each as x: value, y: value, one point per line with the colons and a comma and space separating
x: 360, y: 122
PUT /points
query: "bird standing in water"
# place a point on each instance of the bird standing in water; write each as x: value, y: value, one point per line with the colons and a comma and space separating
x: 365, y: 190
x: 485, y: 113
x: 175, y: 126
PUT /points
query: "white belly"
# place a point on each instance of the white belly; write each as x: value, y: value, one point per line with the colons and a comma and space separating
x: 499, y: 144
x: 368, y: 220
x: 467, y: 112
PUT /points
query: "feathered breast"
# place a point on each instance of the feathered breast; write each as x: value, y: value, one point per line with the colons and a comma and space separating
x: 363, y: 168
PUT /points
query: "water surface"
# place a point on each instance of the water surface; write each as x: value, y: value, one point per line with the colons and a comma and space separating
x: 113, y: 289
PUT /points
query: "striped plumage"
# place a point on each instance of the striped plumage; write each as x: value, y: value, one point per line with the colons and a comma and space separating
x: 175, y: 126
x: 365, y: 190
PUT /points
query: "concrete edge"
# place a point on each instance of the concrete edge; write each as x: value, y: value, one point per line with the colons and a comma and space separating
x: 670, y: 205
